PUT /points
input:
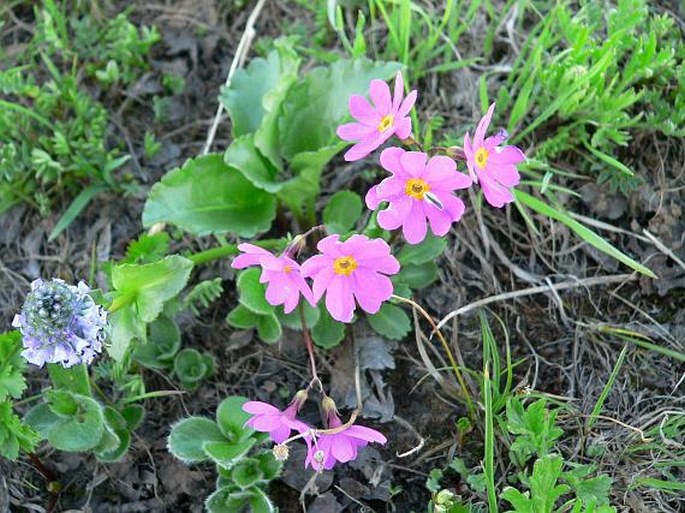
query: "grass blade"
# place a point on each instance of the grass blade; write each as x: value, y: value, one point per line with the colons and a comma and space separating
x: 582, y: 231
x: 84, y: 197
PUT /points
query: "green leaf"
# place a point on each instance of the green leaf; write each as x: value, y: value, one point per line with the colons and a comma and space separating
x: 247, y: 473
x: 269, y: 465
x: 292, y: 320
x: 428, y: 250
x: 342, y: 212
x: 163, y: 342
x: 243, y: 156
x: 305, y: 186
x: 119, y: 425
x: 15, y: 434
x: 133, y: 414
x: 391, y: 322
x: 152, y: 285
x: 327, y: 332
x: 230, y: 499
x: 227, y: 454
x: 258, y: 90
x: 189, y: 435
x: 252, y: 292
x: 242, y: 317
x: 269, y: 328
x: 74, y: 379
x: 317, y: 104
x: 593, y: 489
x: 206, y: 196
x: 81, y: 423
x: 535, y: 427
x: 126, y: 327
x: 418, y: 276
x: 12, y: 365
x: 77, y: 205
x: 231, y: 418
x: 582, y: 231
x: 191, y: 367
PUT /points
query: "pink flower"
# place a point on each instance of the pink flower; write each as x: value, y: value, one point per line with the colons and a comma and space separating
x: 343, y: 446
x: 495, y: 167
x: 354, y: 269
x: 378, y: 123
x: 418, y: 190
x: 269, y: 419
x: 282, y: 273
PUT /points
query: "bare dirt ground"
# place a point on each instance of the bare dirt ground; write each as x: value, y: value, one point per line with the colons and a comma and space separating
x: 557, y: 334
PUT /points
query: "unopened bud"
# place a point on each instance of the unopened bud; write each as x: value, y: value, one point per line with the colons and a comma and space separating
x: 328, y: 405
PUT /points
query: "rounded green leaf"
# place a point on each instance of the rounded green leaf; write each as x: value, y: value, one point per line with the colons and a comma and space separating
x: 231, y: 418
x: 252, y: 293
x: 292, y: 320
x: 269, y: 328
x: 246, y: 473
x: 391, y: 322
x: 116, y: 422
x: 342, y: 212
x: 428, y: 250
x: 227, y: 454
x: 206, y: 196
x: 189, y: 435
x: 242, y: 317
x: 327, y: 332
x: 228, y: 499
x: 80, y: 431
x: 269, y: 465
x: 418, y: 276
x: 190, y: 365
x: 133, y: 415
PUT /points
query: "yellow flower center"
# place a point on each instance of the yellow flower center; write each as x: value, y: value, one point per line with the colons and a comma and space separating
x: 416, y: 188
x: 344, y: 265
x: 386, y: 123
x: 481, y: 157
x: 287, y: 269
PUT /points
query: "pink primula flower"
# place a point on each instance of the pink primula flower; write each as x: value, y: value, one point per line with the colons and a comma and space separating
x: 343, y: 446
x: 419, y: 189
x: 492, y: 165
x: 354, y: 269
x: 269, y: 419
x: 281, y: 273
x: 376, y: 124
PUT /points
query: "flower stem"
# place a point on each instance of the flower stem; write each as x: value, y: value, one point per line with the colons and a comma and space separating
x: 310, y: 348
x: 445, y: 345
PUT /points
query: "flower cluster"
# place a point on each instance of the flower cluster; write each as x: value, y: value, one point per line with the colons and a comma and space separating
x: 337, y: 443
x: 60, y: 323
x: 419, y: 192
x: 356, y: 269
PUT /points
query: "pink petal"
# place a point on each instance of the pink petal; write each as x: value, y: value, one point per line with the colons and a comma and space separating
x: 506, y: 175
x: 265, y: 423
x: 452, y: 205
x: 390, y: 160
x: 414, y: 163
x: 439, y: 169
x: 280, y: 434
x: 371, y: 290
x: 414, y: 227
x: 482, y: 128
x: 366, y: 146
x: 322, y: 281
x: 390, y: 188
x: 380, y: 96
x: 258, y: 407
x: 342, y: 449
x: 353, y: 245
x: 271, y: 263
x: 407, y: 104
x: 495, y: 140
x: 371, y: 199
x: 363, y: 111
x: 468, y: 151
x: 367, y: 434
x: 330, y: 246
x: 495, y: 193
x: 403, y: 128
x: 395, y: 215
x: 304, y: 288
x: 251, y: 255
x: 399, y: 92
x: 339, y: 299
x: 279, y: 290
x: 507, y: 156
x: 354, y: 131
x: 440, y: 221
x: 313, y: 265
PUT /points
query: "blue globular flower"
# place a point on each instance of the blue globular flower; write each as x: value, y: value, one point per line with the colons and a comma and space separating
x: 60, y: 323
